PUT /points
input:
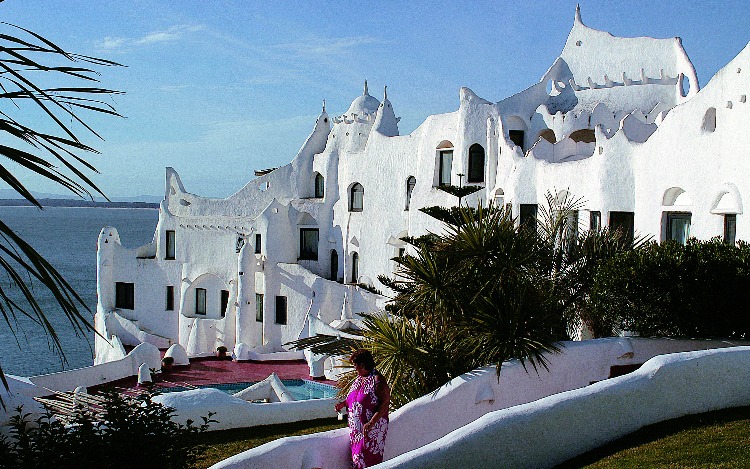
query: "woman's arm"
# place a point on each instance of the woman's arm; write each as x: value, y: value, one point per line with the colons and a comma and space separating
x: 340, y: 405
x: 383, y: 391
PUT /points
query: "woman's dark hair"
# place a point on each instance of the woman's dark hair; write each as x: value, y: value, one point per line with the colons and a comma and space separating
x: 362, y: 357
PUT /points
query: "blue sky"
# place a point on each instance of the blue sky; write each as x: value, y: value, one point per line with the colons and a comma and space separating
x: 217, y: 89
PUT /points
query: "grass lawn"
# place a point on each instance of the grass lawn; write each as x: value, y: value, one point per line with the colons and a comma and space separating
x: 719, y: 439
x: 225, y: 443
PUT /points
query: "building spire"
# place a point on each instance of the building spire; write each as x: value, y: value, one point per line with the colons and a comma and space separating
x: 365, y: 92
x: 385, y: 93
x: 578, y: 14
x: 324, y: 105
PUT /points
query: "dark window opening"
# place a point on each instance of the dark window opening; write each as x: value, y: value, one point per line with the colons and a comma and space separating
x: 224, y: 303
x: 259, y: 307
x: 319, y: 186
x: 595, y: 221
x: 476, y: 163
x: 445, y: 168
x: 258, y: 243
x: 334, y: 273
x: 355, y: 267
x: 401, y: 252
x: 280, y: 310
x: 170, y: 298
x: 624, y: 223
x: 200, y: 301
x: 124, y: 295
x: 730, y: 228
x: 527, y: 216
x: 677, y: 226
x: 356, y: 198
x: 170, y: 251
x: 583, y: 135
x: 549, y: 135
x: 308, y: 244
x: 410, y: 183
x: 517, y: 137
x: 240, y: 243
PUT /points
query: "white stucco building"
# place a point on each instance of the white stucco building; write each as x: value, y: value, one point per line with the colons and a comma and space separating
x: 620, y: 122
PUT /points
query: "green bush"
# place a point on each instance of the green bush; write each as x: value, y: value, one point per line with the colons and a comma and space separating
x: 701, y: 289
x: 127, y: 432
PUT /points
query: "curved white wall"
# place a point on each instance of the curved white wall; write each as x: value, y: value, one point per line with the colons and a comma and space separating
x: 473, y: 395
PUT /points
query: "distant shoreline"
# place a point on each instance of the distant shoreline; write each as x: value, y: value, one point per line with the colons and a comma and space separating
x: 72, y: 203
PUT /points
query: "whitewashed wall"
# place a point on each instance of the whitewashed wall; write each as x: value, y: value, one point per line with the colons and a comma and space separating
x: 469, y: 397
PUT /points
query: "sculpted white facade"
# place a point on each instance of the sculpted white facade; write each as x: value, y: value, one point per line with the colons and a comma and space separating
x: 620, y: 122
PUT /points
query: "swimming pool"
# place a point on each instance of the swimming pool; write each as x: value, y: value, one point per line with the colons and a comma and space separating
x: 301, y: 389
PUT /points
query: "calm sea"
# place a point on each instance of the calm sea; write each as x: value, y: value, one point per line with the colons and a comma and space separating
x: 66, y: 237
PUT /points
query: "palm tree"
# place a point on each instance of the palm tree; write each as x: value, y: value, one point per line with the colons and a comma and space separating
x: 49, y: 148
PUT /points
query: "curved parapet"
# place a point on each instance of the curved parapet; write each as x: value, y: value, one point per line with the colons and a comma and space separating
x: 671, y: 385
x: 473, y: 406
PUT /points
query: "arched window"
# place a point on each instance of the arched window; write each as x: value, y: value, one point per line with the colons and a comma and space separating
x: 355, y: 267
x: 319, y: 186
x: 356, y: 197
x: 476, y: 163
x: 410, y: 183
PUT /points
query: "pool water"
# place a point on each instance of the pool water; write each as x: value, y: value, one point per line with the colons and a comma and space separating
x: 301, y: 389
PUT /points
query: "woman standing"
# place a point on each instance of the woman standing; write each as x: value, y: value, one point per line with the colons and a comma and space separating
x: 367, y: 402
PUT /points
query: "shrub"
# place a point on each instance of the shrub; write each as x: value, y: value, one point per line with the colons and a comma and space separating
x: 127, y: 431
x: 701, y: 289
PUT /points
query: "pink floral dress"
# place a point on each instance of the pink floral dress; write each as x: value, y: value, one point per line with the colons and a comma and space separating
x: 362, y: 402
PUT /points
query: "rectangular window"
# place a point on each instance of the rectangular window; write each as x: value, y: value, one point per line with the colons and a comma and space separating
x: 571, y: 230
x: 730, y: 228
x: 170, y: 251
x: 240, y: 243
x: 308, y: 244
x: 595, y: 221
x: 258, y: 243
x: 224, y: 303
x: 623, y: 222
x: 280, y: 310
x: 259, y: 307
x: 200, y: 301
x: 527, y: 216
x: 444, y: 172
x: 517, y: 137
x: 678, y: 226
x: 401, y: 252
x: 170, y: 298
x: 124, y: 295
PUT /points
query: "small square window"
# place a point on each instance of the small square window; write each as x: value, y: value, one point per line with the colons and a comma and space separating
x: 678, y: 226
x: 623, y: 222
x: 527, y: 216
x: 308, y: 244
x: 124, y: 295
